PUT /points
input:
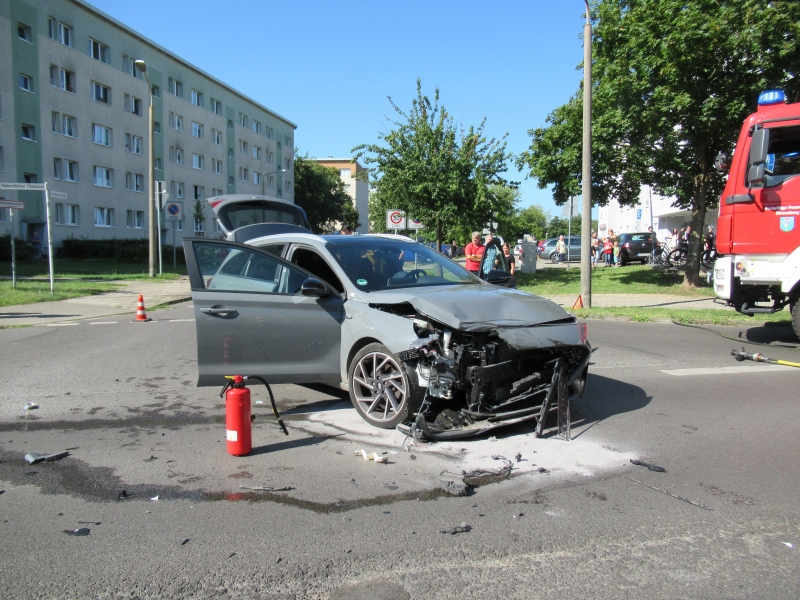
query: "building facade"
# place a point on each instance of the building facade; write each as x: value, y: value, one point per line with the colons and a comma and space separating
x: 74, y: 113
x: 665, y: 217
x: 357, y: 188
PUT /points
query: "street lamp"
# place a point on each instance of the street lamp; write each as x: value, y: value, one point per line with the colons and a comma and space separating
x: 151, y: 201
x: 586, y: 213
x: 264, y: 180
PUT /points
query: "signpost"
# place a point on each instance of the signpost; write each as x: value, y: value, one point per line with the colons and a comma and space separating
x: 395, y: 219
x: 12, y: 205
x: 173, y: 211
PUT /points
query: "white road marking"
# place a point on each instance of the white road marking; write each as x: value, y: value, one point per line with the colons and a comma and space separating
x: 181, y: 320
x: 61, y: 324
x: 104, y: 323
x: 742, y: 370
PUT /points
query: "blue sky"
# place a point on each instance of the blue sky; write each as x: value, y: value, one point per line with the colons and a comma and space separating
x: 329, y: 67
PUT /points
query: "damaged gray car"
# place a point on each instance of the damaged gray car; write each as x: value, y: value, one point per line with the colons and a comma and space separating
x: 418, y: 342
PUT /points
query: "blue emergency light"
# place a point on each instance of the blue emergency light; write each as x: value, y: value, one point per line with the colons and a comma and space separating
x: 771, y: 97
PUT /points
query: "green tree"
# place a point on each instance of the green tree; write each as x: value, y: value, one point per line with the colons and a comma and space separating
x: 672, y: 82
x: 321, y: 193
x: 435, y: 173
x: 531, y: 220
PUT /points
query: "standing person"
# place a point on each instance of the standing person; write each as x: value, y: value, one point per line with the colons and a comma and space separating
x: 675, y: 241
x: 608, y: 249
x: 687, y: 235
x: 612, y: 235
x: 595, y: 248
x: 561, y: 249
x: 491, y: 253
x: 453, y: 250
x: 710, y: 238
x: 508, y: 258
x: 474, y: 251
x: 616, y: 250
x: 36, y: 242
x: 347, y: 229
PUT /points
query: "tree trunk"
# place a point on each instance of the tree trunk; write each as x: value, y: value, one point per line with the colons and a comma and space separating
x: 691, y: 276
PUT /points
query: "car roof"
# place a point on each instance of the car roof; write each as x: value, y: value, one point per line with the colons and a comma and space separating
x: 331, y: 240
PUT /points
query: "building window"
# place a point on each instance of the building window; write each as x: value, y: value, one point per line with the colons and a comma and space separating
x: 62, y: 79
x: 256, y: 177
x: 135, y: 219
x: 157, y: 163
x: 216, y: 192
x: 216, y: 166
x: 271, y: 181
x: 270, y: 133
x: 133, y: 143
x: 71, y: 171
x: 58, y: 168
x: 175, y: 122
x: 217, y: 226
x: 197, y: 98
x: 230, y: 152
x: 101, y: 93
x: 243, y: 119
x: 64, y: 124
x: 67, y: 214
x: 59, y: 31
x: 344, y: 172
x: 288, y: 162
x: 176, y: 189
x: 175, y: 87
x: 25, y: 82
x: 178, y: 225
x: 199, y: 192
x: 101, y: 135
x: 28, y: 132
x: 30, y: 178
x: 216, y: 107
x: 197, y: 130
x: 287, y: 141
x: 198, y: 162
x: 134, y: 182
x: 156, y: 91
x: 103, y: 177
x: 176, y: 155
x: 216, y: 137
x: 242, y: 146
x: 270, y: 157
x: 133, y: 105
x: 230, y: 123
x: 98, y: 51
x: 2, y: 161
x: 256, y: 126
x: 129, y: 66
x: 103, y: 217
x: 199, y: 225
x: 244, y: 175
x: 230, y: 181
x: 24, y: 32
x: 257, y: 152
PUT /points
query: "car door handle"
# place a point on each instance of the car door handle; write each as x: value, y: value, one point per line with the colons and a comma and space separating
x: 219, y: 311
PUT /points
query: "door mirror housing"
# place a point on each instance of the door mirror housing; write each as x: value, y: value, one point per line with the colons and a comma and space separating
x: 315, y: 288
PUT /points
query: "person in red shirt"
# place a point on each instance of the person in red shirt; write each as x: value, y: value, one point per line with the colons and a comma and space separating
x: 608, y: 250
x: 474, y: 251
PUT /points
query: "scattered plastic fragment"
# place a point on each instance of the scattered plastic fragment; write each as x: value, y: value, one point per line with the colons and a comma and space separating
x: 518, y: 457
x: 788, y: 544
x: 89, y: 523
x: 78, y: 532
x: 184, y: 542
x: 151, y: 459
x: 30, y: 406
x: 518, y: 516
x: 154, y: 499
x: 463, y: 528
x: 35, y: 457
x: 670, y: 494
x: 493, y: 438
x: 650, y: 466
x: 263, y: 488
x: 371, y: 456
x: 455, y: 488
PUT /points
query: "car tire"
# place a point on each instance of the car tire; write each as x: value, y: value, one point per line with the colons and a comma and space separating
x: 555, y: 258
x: 794, y: 309
x: 380, y: 389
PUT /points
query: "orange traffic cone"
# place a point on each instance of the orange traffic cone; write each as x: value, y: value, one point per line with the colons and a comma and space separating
x: 141, y: 315
x: 578, y: 303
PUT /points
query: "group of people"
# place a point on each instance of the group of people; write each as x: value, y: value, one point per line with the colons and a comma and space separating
x: 606, y: 251
x: 475, y: 251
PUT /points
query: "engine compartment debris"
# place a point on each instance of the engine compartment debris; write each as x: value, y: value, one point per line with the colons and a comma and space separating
x: 652, y: 467
x: 34, y: 457
x: 463, y: 528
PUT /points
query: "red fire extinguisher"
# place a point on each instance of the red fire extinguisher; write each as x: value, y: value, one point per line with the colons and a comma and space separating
x: 237, y: 416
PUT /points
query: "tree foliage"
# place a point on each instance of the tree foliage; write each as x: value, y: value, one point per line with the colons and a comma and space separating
x: 672, y: 82
x: 433, y: 171
x: 321, y: 193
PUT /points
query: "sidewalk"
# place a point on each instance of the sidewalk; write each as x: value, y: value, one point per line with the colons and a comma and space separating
x: 158, y: 293
x: 120, y: 302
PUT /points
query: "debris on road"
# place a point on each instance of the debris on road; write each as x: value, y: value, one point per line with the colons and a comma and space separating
x: 78, y: 532
x: 371, y: 456
x: 463, y: 528
x: 30, y: 406
x: 693, y: 503
x: 788, y: 544
x: 650, y: 466
x: 262, y: 488
x: 35, y: 457
x: 154, y: 499
x: 455, y: 488
x: 122, y: 495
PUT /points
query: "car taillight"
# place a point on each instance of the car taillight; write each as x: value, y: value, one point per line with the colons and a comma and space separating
x: 627, y: 245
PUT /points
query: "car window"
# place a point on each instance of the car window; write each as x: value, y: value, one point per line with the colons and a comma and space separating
x: 235, y: 269
x: 312, y: 262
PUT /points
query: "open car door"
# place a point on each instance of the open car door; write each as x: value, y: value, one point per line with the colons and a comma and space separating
x: 257, y: 314
x: 493, y: 267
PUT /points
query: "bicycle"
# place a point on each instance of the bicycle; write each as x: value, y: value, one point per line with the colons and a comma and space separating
x: 677, y: 258
x: 660, y: 257
x: 708, y: 257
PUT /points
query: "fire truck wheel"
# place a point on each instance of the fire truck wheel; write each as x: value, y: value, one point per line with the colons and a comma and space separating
x: 795, y: 310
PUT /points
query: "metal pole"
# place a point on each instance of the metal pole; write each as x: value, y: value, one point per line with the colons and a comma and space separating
x: 569, y: 229
x: 174, y: 255
x: 653, y: 236
x: 586, y: 214
x: 49, y: 237
x: 13, y: 250
x: 158, y: 223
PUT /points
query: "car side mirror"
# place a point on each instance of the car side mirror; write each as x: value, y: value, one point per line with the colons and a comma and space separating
x: 498, y: 277
x: 315, y: 288
x: 759, y: 147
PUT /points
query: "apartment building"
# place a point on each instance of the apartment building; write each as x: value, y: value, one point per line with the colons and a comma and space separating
x: 74, y: 113
x: 357, y: 189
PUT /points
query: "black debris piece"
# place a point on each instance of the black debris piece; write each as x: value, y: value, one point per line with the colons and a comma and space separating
x: 151, y: 459
x: 122, y: 495
x: 184, y: 542
x: 89, y: 522
x: 263, y: 488
x: 463, y: 528
x: 650, y: 466
x: 455, y: 488
x: 78, y: 532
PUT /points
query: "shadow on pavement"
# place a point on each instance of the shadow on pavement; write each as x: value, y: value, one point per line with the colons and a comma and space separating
x: 770, y: 333
x: 297, y: 443
x: 605, y: 398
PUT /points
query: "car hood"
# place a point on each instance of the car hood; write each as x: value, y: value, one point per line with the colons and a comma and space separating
x: 475, y: 307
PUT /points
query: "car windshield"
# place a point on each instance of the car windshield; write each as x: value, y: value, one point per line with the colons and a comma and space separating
x: 249, y: 213
x: 375, y: 264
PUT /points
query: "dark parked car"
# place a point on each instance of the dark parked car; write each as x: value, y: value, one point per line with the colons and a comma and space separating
x: 637, y: 246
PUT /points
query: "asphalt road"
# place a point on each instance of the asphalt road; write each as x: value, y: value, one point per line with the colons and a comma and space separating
x: 721, y: 522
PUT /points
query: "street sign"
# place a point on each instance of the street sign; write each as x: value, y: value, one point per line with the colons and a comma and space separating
x: 173, y: 211
x: 415, y: 224
x: 395, y: 219
x: 638, y: 214
x: 57, y: 195
x: 22, y: 186
x: 12, y: 204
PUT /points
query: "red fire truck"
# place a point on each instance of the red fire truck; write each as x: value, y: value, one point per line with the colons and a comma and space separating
x: 758, y: 231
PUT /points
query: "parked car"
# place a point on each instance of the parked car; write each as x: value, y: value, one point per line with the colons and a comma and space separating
x: 637, y: 247
x: 573, y: 248
x: 420, y: 343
